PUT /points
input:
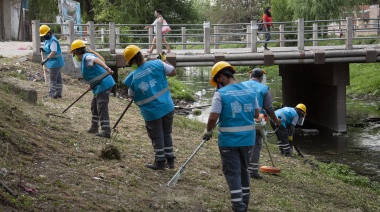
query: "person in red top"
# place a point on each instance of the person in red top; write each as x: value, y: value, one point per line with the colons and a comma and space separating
x: 267, y: 23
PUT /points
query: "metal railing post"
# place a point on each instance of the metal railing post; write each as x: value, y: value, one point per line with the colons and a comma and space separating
x: 249, y: 36
x: 36, y: 40
x: 206, y: 37
x: 315, y: 34
x: 301, y: 34
x: 282, y: 35
x: 159, y: 37
x: 151, y: 36
x: 102, y: 32
x: 184, y: 38
x: 253, y: 36
x: 349, y: 33
x: 117, y: 37
x: 71, y: 36
x: 112, y: 38
x: 216, y: 37
x: 91, y: 34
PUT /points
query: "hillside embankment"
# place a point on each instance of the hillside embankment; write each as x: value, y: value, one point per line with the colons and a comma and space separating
x: 52, y: 164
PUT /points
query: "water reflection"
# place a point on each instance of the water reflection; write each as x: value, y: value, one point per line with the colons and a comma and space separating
x: 359, y: 148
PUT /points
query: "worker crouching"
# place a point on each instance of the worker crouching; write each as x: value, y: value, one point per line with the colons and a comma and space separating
x: 290, y: 117
x: 148, y: 86
x: 93, y: 69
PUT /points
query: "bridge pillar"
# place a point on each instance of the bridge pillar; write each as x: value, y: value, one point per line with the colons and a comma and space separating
x: 322, y: 88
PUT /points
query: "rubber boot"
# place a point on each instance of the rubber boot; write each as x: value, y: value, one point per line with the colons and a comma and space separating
x: 104, y: 134
x: 246, y: 205
x: 157, y: 165
x: 93, y: 130
x: 170, y: 162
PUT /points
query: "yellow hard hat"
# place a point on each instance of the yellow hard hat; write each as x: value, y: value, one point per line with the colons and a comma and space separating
x: 76, y: 45
x: 130, y: 51
x: 302, y: 107
x: 44, y: 29
x: 216, y: 68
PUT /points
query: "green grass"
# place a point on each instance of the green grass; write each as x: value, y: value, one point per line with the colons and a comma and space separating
x: 364, y: 80
x: 179, y: 90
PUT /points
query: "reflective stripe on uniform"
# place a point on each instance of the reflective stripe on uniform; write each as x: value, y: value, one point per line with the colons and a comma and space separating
x: 96, y: 79
x: 147, y: 100
x: 237, y: 129
x: 57, y: 56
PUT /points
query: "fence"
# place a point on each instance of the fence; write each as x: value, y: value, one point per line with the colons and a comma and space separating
x: 205, y: 36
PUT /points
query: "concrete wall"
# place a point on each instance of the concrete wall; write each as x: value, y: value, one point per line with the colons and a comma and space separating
x: 15, y: 6
x: 6, y: 14
x: 322, y: 88
x: 9, y: 19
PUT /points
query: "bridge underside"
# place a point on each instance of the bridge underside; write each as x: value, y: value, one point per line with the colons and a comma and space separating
x: 322, y: 88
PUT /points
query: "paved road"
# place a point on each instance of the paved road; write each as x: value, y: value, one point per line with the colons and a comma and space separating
x: 15, y: 49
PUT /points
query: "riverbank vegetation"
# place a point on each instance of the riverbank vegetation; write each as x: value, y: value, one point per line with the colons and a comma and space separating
x: 52, y: 164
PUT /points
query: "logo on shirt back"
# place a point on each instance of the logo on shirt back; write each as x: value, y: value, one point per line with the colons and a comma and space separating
x: 143, y: 87
x: 236, y: 108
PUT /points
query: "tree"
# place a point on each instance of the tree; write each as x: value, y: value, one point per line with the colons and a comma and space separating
x: 313, y: 9
x: 235, y: 11
x: 43, y: 10
x: 142, y: 11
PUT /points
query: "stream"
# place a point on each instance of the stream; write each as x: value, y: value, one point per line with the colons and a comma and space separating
x: 359, y: 148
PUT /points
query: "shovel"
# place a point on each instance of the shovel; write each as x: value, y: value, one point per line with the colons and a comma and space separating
x: 56, y: 114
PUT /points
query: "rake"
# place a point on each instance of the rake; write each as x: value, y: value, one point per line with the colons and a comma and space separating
x: 57, y: 114
x: 172, y: 182
x: 177, y: 175
x: 121, y: 116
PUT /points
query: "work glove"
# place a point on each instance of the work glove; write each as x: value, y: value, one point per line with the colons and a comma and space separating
x: 44, y: 61
x: 42, y: 49
x: 207, y: 135
x: 290, y: 138
x: 162, y: 56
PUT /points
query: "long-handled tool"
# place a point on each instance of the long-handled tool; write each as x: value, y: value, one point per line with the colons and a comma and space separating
x: 268, y: 169
x: 7, y: 189
x: 55, y: 114
x: 121, y: 116
x: 172, y: 182
x: 43, y: 67
x: 177, y: 175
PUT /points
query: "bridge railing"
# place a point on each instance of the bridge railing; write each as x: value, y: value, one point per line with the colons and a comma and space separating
x: 209, y: 36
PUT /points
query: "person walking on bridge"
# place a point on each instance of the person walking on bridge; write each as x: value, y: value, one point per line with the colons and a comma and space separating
x: 53, y: 61
x: 235, y: 105
x: 149, y: 87
x: 93, y: 69
x: 284, y: 132
x: 267, y: 23
x: 159, y: 18
x: 264, y: 99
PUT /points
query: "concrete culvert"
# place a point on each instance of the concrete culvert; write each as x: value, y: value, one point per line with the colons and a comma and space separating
x: 110, y: 152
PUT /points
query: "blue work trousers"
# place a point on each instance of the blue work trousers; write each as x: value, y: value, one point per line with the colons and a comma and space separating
x: 160, y: 132
x: 235, y: 169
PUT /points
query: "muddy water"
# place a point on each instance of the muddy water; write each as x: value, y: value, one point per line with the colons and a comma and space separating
x: 359, y: 148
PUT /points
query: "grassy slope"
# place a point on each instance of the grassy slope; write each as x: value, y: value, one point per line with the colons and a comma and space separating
x: 364, y: 80
x: 58, y: 157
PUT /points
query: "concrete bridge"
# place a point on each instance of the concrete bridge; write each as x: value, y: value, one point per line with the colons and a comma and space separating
x: 314, y: 75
